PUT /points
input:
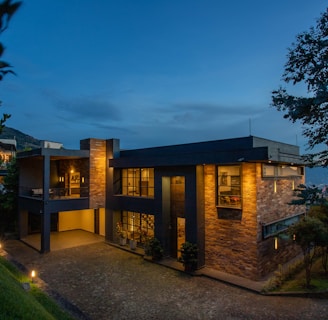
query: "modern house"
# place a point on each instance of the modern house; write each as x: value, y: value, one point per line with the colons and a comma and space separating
x: 230, y: 197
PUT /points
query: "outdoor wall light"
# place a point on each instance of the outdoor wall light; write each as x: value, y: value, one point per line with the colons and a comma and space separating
x: 33, y: 274
x: 276, y: 243
x: 0, y: 245
x: 82, y: 179
x: 294, y: 236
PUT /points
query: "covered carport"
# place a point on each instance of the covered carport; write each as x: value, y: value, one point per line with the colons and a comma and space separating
x: 64, y: 239
x: 68, y: 228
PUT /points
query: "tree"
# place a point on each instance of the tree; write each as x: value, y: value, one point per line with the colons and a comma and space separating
x: 309, y: 233
x: 8, y: 199
x: 7, y: 10
x: 320, y: 212
x: 307, y: 63
x: 308, y: 195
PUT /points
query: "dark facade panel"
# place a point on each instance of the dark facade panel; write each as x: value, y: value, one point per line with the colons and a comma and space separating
x: 192, y: 159
x: 198, y: 147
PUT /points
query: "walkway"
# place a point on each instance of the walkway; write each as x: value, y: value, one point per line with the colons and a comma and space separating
x: 105, y: 282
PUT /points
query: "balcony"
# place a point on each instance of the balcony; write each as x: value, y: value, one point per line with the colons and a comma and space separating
x: 54, y: 193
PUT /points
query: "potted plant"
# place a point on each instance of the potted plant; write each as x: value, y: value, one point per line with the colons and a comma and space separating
x: 121, y: 234
x: 188, y: 256
x: 133, y: 243
x: 153, y: 248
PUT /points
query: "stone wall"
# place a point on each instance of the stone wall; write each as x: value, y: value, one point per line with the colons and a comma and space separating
x: 272, y: 205
x: 230, y: 245
x: 97, y: 171
x: 237, y: 246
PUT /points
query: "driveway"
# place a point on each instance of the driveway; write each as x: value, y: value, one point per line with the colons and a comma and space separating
x: 105, y: 282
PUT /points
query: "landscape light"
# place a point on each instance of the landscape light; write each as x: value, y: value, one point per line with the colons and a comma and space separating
x: 33, y: 274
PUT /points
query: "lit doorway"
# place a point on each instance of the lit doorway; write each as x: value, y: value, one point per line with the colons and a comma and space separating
x: 181, y: 233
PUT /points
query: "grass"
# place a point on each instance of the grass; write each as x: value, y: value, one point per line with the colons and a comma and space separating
x: 296, y: 283
x: 17, y: 303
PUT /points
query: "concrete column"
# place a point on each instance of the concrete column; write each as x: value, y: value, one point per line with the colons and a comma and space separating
x: 45, y: 232
x: 45, y: 215
x: 112, y: 152
x: 163, y: 228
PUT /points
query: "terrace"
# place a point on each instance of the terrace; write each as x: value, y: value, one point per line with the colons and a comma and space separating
x: 64, y: 174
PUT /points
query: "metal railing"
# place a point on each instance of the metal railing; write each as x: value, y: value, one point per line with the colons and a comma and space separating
x: 55, y: 193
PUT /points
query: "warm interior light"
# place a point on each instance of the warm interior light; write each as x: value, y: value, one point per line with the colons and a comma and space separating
x: 275, y: 243
x: 294, y: 236
x: 72, y: 171
x: 82, y: 179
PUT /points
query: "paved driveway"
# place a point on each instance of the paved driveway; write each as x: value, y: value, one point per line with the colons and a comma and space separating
x: 108, y: 283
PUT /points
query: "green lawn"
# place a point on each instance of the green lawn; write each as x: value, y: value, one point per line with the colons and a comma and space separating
x: 319, y: 281
x: 17, y: 303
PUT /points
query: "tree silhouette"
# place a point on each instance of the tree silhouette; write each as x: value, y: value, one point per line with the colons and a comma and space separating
x: 307, y: 63
x: 7, y: 10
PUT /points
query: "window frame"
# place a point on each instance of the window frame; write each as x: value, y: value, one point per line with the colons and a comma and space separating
x: 138, y: 182
x: 278, y: 170
x: 139, y: 226
x: 228, y: 198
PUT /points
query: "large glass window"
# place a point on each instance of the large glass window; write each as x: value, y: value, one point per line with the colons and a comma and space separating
x: 277, y: 227
x: 138, y: 182
x: 138, y: 226
x: 229, y: 186
x: 269, y: 170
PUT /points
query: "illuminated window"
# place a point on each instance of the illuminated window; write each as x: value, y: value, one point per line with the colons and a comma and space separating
x: 271, y: 171
x: 229, y: 187
x: 276, y: 227
x: 138, y: 226
x: 138, y: 182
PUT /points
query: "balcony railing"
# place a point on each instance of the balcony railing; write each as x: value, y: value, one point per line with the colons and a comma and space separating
x: 55, y: 193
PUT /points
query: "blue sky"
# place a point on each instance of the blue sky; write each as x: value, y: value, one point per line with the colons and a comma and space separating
x: 151, y: 72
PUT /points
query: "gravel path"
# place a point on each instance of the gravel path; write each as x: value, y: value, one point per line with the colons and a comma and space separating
x: 108, y: 283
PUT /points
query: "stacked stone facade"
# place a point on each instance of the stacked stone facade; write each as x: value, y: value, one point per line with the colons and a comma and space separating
x: 237, y: 246
x: 273, y: 198
x: 97, y: 171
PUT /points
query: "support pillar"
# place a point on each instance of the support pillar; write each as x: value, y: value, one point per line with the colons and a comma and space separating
x: 45, y: 214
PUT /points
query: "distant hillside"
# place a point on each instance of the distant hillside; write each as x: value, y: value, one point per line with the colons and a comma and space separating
x: 23, y: 140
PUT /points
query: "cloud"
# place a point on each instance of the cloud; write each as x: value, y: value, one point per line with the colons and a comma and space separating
x: 83, y: 108
x: 200, y: 114
x: 88, y: 109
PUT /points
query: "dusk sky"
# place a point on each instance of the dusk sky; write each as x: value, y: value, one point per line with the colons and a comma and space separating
x: 151, y: 72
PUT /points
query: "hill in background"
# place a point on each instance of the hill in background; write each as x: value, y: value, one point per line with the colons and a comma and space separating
x: 24, y: 141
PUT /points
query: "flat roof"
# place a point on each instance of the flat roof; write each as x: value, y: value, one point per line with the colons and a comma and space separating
x: 218, y: 151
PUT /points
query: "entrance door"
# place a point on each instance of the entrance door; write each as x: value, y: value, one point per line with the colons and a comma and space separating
x: 177, y: 209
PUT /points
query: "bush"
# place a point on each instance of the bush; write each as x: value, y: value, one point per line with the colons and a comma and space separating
x: 153, y: 248
x: 189, y: 253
